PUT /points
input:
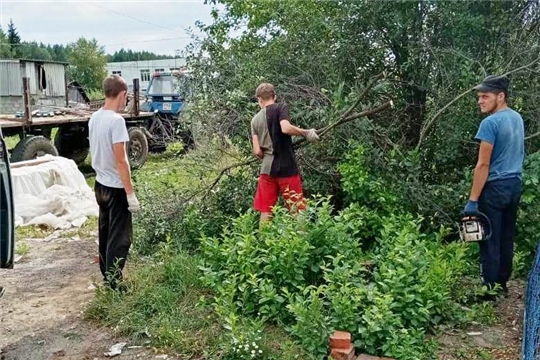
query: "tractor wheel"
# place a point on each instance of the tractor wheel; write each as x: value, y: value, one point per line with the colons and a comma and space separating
x: 72, y: 144
x: 137, y: 148
x: 32, y: 147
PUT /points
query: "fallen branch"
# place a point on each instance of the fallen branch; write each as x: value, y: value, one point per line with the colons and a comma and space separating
x: 346, y: 117
x: 428, y: 125
x: 296, y: 145
x: 368, y: 87
x: 343, y: 120
x: 532, y: 136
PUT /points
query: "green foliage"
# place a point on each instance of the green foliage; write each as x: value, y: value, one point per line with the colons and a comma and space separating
x: 5, y: 48
x: 130, y: 55
x: 529, y: 215
x: 311, y: 266
x: 13, y: 38
x: 166, y: 304
x: 160, y: 304
x: 87, y: 63
x: 95, y: 94
x: 166, y: 213
x: 362, y: 187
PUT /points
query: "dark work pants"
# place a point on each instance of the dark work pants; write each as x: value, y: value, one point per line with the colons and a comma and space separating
x: 499, y: 202
x: 115, y: 231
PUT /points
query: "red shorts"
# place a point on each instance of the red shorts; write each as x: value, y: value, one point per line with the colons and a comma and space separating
x: 269, y: 188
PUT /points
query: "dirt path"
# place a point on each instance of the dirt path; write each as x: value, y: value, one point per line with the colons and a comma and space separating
x: 500, y: 341
x: 41, y: 311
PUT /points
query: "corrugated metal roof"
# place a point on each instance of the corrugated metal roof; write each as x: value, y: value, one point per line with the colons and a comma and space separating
x: 43, y: 61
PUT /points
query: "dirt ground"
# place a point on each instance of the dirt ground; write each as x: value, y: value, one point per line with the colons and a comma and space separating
x: 500, y: 341
x: 46, y: 293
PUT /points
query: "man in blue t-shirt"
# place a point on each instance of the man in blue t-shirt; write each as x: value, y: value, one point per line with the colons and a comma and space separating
x: 496, y: 188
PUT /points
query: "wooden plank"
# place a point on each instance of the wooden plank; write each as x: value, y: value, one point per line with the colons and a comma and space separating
x: 13, y: 123
x: 26, y: 99
x: 66, y: 85
x: 10, y: 121
x: 136, y: 108
x: 29, y: 163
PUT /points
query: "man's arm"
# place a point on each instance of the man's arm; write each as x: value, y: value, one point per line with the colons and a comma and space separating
x: 289, y: 129
x: 122, y: 166
x: 256, y: 146
x: 481, y: 171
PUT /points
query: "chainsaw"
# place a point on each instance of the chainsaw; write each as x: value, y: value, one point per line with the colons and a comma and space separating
x: 475, y: 227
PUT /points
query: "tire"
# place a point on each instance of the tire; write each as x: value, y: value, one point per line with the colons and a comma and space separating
x: 72, y: 145
x: 32, y: 147
x: 137, y: 148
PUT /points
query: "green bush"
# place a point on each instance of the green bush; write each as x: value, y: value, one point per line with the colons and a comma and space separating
x: 309, y: 273
x: 528, y: 223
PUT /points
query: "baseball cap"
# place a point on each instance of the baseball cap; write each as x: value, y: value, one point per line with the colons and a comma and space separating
x: 493, y: 83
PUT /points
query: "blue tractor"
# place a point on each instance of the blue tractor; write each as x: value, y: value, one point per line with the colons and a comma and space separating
x: 166, y: 96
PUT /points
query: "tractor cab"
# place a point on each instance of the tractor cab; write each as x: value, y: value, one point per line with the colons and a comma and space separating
x: 167, y: 93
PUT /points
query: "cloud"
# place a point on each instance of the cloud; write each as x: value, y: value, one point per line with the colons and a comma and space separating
x: 155, y: 26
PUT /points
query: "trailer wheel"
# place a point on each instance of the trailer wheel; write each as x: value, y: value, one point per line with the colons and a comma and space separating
x: 137, y: 148
x: 32, y: 147
x: 72, y: 144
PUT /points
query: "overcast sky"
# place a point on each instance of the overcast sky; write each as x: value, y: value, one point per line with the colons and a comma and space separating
x: 152, y: 25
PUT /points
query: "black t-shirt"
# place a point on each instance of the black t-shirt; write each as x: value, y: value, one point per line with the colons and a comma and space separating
x: 284, y: 162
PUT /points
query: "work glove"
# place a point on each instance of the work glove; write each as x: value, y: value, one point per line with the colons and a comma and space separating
x: 133, y: 203
x: 311, y: 135
x: 471, y: 207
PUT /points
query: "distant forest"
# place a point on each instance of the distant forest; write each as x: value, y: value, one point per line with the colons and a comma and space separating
x: 11, y: 46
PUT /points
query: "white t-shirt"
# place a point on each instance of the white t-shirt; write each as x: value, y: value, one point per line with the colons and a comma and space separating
x: 106, y: 128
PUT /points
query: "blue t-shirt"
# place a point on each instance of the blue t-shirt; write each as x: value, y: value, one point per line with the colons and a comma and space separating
x: 505, y: 131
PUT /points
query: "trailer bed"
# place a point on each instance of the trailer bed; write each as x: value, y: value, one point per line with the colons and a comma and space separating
x: 10, y: 121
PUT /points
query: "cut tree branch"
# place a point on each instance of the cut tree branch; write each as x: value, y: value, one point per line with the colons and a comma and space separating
x: 342, y: 120
x: 532, y: 136
x: 430, y: 122
x: 370, y: 85
x: 346, y: 117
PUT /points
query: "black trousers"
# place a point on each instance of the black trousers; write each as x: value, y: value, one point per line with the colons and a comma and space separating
x: 499, y: 201
x: 115, y: 231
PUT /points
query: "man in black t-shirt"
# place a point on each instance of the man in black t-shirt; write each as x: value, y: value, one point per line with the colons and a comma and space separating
x: 272, y: 142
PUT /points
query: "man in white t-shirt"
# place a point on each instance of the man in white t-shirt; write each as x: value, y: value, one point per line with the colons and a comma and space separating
x: 114, y: 190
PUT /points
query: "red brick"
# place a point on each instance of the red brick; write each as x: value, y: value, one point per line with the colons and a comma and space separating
x: 342, y: 354
x: 340, y: 340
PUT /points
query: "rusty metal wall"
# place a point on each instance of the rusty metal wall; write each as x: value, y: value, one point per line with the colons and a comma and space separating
x: 10, y: 78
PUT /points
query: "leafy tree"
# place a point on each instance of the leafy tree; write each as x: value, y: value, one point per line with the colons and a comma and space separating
x: 130, y: 55
x: 59, y: 52
x: 13, y: 38
x: 5, y: 46
x: 320, y: 55
x: 33, y: 50
x: 88, y: 63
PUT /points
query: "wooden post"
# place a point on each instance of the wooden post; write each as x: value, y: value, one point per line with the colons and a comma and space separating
x: 66, y: 85
x: 27, y: 98
x: 136, y: 97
